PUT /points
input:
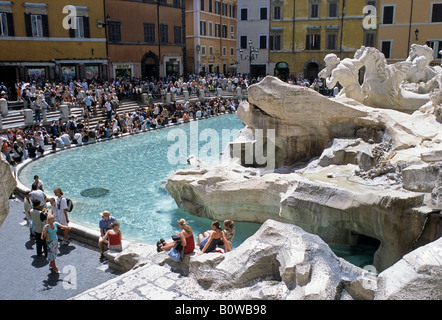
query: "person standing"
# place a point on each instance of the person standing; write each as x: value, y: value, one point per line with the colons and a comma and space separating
x: 108, y: 107
x: 37, y: 194
x: 27, y: 203
x: 50, y: 235
x: 36, y: 105
x: 61, y: 213
x: 39, y: 223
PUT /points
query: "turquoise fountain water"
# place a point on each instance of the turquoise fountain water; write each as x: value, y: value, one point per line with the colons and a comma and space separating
x: 126, y: 176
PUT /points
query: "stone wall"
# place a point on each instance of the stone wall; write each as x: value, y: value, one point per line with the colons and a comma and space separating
x: 8, y: 184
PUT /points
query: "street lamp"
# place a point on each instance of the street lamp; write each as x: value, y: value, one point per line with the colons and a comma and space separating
x: 416, y: 32
x: 252, y: 56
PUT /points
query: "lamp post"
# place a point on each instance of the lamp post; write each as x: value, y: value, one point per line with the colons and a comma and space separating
x: 416, y: 32
x: 252, y: 56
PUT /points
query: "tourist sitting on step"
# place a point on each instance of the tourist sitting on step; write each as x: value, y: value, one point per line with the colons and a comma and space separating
x: 184, y: 238
x: 209, y: 241
x: 113, y: 237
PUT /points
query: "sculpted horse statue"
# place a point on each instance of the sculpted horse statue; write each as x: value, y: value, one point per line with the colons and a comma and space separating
x: 382, y: 82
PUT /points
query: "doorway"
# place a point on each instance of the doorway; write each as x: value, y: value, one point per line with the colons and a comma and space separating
x: 311, y: 71
x: 150, y: 66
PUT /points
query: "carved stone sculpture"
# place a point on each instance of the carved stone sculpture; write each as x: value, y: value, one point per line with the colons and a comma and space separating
x: 346, y: 72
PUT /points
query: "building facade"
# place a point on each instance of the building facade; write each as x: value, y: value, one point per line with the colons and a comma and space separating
x: 303, y: 32
x: 253, y: 30
x: 211, y: 36
x: 51, y: 39
x: 145, y: 38
x: 407, y: 22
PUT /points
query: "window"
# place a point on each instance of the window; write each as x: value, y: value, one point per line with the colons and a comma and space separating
x: 275, y: 42
x: 332, y: 9
x: 210, y: 5
x: 210, y: 51
x: 243, y: 42
x: 149, y: 32
x: 244, y: 14
x: 232, y: 11
x: 277, y: 13
x: 80, y: 28
x: 232, y: 51
x: 115, y: 31
x: 263, y: 41
x: 436, y: 45
x: 177, y: 3
x: 36, y: 19
x: 332, y: 38
x: 79, y: 32
x: 217, y: 7
x: 3, y: 25
x: 369, y: 39
x: 203, y: 51
x: 232, y: 32
x: 217, y: 30
x: 37, y: 25
x: 224, y: 51
x: 314, y: 7
x: 436, y: 15
x: 6, y: 24
x: 313, y: 41
x: 386, y: 48
x: 203, y: 30
x: 224, y: 9
x: 224, y: 30
x: 210, y: 29
x: 202, y: 5
x: 388, y: 15
x: 164, y: 33
x: 177, y: 35
x: 263, y: 14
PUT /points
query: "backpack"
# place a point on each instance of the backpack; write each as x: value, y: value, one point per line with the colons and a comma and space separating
x: 70, y: 205
x: 43, y: 216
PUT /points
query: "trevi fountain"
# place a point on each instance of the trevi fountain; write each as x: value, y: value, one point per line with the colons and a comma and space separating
x: 314, y: 170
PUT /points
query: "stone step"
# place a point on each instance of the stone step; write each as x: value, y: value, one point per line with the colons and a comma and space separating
x: 15, y: 118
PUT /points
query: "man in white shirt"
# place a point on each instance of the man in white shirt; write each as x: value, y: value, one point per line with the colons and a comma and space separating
x: 61, y: 213
x: 108, y: 107
x: 66, y: 139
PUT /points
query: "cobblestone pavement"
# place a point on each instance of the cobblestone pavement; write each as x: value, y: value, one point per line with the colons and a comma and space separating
x: 26, y: 276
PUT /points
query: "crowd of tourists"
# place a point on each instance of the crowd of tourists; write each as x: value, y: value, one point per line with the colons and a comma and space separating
x: 95, y: 97
x: 54, y: 93
x: 45, y: 216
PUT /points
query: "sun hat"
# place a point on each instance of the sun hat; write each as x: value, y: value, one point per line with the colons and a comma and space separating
x: 105, y: 213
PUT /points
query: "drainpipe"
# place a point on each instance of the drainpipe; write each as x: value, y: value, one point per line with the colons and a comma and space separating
x: 106, y: 21
x: 293, y: 25
x: 342, y: 29
x: 159, y: 38
x: 220, y: 35
x: 184, y: 47
x: 409, y: 28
